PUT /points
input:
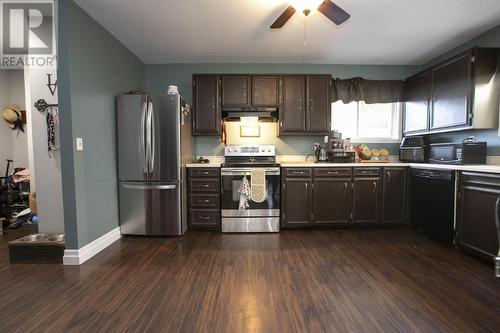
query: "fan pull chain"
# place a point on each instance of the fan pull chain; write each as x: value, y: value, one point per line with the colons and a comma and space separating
x: 304, y: 43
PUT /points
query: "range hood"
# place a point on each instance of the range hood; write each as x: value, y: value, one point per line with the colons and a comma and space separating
x: 264, y: 114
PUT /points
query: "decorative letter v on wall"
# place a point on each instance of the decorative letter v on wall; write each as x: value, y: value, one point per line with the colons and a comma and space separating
x: 52, y: 86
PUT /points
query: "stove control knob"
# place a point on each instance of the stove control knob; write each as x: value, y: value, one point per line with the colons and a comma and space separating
x: 269, y: 150
x: 263, y: 150
x: 230, y: 150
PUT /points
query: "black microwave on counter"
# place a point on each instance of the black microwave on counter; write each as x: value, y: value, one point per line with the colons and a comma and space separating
x: 469, y: 152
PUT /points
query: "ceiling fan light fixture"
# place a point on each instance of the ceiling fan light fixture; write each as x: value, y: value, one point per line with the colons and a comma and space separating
x: 305, y: 6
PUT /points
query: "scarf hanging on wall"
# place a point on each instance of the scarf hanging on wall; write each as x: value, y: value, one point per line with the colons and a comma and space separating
x: 52, y: 123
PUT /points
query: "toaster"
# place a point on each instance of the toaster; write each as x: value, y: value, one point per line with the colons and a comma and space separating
x: 412, y: 149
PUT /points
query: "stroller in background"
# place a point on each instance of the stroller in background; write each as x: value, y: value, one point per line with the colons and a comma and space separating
x: 4, y: 193
x: 14, y: 203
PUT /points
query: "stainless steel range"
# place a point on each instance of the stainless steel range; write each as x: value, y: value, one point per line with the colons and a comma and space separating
x: 258, y: 217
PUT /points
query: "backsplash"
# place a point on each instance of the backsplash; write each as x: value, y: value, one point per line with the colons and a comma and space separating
x: 285, y: 145
x: 488, y: 135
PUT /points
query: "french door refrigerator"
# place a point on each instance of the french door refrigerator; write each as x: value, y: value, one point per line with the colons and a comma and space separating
x: 154, y: 144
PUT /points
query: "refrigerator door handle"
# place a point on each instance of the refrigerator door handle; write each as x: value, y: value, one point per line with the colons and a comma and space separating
x: 150, y: 187
x: 148, y: 137
x: 152, y: 138
x: 142, y: 143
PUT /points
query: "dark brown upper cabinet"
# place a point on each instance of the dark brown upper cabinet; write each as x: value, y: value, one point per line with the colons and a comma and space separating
x: 459, y: 93
x: 206, y: 105
x: 394, y: 195
x: 311, y: 117
x: 235, y: 91
x: 451, y: 93
x: 417, y: 95
x: 265, y: 90
x: 318, y: 104
x: 292, y: 111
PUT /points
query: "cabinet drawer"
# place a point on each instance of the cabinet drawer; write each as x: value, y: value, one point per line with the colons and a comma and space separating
x: 204, y: 185
x: 204, y: 200
x: 204, y: 217
x: 366, y: 172
x: 204, y: 172
x: 333, y: 172
x: 298, y: 172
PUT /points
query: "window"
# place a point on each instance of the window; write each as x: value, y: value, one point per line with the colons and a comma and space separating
x: 367, y: 122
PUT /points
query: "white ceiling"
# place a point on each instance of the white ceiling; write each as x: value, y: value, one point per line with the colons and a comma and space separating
x: 379, y: 31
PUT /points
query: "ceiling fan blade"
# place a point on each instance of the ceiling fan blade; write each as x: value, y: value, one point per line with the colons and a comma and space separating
x: 284, y: 17
x: 336, y: 14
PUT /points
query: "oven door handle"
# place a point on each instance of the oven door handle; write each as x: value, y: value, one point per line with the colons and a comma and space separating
x: 241, y: 172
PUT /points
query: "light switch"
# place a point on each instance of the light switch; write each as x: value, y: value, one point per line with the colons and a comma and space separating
x: 79, y: 144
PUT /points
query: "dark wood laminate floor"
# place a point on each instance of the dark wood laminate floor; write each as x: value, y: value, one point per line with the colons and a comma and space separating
x: 297, y: 281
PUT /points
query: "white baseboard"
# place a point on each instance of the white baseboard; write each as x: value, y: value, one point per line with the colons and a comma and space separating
x: 79, y: 256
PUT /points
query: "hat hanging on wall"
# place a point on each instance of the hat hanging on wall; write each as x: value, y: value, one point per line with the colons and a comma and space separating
x: 13, y: 117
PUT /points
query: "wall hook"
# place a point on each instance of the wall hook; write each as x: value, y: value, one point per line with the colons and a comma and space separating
x: 42, y: 105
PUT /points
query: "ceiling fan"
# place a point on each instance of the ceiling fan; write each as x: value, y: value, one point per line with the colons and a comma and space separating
x: 336, y: 14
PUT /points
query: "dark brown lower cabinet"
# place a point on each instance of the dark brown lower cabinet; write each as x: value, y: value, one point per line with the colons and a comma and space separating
x: 331, y: 198
x: 476, y: 226
x: 341, y: 196
x: 365, y: 202
x: 394, y: 195
x: 204, y: 198
x: 296, y: 198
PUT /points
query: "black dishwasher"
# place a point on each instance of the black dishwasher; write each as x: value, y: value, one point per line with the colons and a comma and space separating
x: 433, y: 203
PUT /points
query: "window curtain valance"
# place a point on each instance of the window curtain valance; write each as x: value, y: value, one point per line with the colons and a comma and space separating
x: 369, y: 91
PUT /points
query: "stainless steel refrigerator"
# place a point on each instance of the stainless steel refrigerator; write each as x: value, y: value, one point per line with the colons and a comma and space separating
x: 154, y: 144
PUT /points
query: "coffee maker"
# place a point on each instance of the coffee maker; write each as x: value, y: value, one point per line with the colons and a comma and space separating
x: 338, y: 151
x: 321, y: 151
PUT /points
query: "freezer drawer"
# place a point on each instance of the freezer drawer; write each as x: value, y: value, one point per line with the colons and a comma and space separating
x: 150, y: 209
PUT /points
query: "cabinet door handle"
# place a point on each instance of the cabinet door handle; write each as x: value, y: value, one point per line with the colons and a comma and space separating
x: 203, y: 173
x: 297, y: 172
x: 345, y: 187
x: 204, y: 201
x: 204, y: 185
x: 333, y: 172
x: 307, y: 187
x: 205, y: 218
x: 388, y: 176
x: 374, y: 187
x: 497, y: 223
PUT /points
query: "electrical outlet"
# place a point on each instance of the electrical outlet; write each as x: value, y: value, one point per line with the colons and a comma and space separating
x: 79, y: 144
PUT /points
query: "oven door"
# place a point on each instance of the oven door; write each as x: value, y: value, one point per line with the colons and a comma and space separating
x: 230, y: 197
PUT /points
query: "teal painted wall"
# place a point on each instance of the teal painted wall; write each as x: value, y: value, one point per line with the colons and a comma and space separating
x: 490, y: 38
x: 158, y: 77
x: 93, y: 69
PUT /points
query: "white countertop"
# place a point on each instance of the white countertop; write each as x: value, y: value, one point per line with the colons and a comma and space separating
x: 339, y: 165
x: 203, y: 165
x: 299, y: 161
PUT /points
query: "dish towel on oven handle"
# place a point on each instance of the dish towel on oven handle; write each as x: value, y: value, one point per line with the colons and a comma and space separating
x: 244, y: 192
x: 258, y: 186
